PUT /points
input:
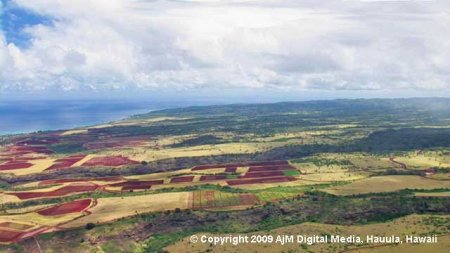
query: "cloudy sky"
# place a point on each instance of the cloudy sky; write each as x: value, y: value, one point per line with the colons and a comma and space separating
x: 270, y: 47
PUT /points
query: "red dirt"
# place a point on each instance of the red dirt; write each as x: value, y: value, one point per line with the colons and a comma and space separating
x: 137, y: 185
x: 209, y: 199
x: 402, y: 165
x: 56, y: 193
x: 69, y: 207
x: 281, y: 162
x: 64, y: 163
x: 212, y: 177
x: 182, y: 179
x: 29, y: 149
x: 110, y: 161
x: 14, y: 165
x: 29, y: 158
x: 8, y: 236
x: 230, y: 169
x: 72, y: 180
x: 269, y: 168
x: 215, y: 166
x: 261, y: 180
x: 263, y: 174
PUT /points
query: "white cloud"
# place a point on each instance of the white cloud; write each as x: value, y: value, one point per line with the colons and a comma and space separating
x: 340, y: 45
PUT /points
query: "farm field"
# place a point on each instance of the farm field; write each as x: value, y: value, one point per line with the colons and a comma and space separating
x: 426, y: 159
x: 33, y: 222
x: 110, y: 209
x: 387, y: 184
x: 146, y: 154
x: 145, y: 183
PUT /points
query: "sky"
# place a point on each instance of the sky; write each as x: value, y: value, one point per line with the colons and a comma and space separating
x: 238, y: 49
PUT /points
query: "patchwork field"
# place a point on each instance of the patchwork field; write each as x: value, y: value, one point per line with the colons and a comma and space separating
x: 145, y: 183
x: 15, y: 227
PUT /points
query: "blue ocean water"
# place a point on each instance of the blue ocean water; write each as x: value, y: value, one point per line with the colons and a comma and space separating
x: 30, y: 116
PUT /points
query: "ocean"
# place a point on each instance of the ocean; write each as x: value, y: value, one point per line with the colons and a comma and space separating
x: 31, y: 116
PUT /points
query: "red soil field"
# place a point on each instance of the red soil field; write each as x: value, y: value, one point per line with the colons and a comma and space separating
x: 7, y: 236
x: 64, y: 163
x: 182, y: 179
x: 70, y: 180
x: 215, y: 166
x: 30, y: 149
x: 261, y: 180
x: 209, y: 199
x: 281, y: 162
x: 269, y: 168
x: 70, y: 207
x: 29, y: 158
x: 230, y: 169
x: 212, y: 177
x: 137, y: 185
x: 201, y: 196
x: 212, y: 166
x: 263, y: 174
x: 14, y: 165
x: 56, y: 193
x: 110, y: 161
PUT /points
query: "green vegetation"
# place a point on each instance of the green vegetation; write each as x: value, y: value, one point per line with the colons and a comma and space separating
x: 200, y: 140
x: 291, y: 173
x: 67, y: 148
x: 322, y: 161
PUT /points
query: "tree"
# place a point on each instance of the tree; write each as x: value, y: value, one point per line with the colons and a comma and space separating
x: 90, y: 226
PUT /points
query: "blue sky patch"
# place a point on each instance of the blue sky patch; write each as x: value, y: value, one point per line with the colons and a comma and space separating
x: 14, y: 20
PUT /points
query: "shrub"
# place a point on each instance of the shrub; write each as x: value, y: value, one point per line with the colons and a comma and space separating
x: 90, y: 226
